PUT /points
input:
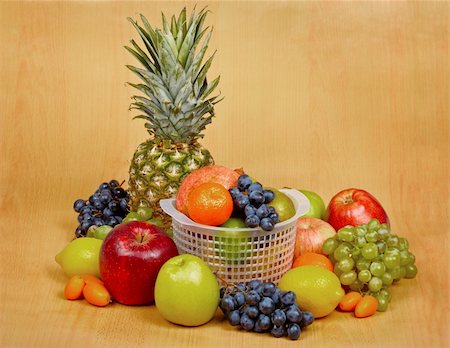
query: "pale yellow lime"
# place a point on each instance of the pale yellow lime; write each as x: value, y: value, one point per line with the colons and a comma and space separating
x: 80, y: 256
x: 318, y: 290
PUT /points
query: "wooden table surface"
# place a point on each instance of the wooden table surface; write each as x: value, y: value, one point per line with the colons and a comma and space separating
x: 320, y: 96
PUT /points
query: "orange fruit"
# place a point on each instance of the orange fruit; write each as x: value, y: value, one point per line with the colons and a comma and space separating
x: 350, y: 301
x: 74, y: 288
x: 89, y: 278
x: 366, y: 307
x: 209, y: 204
x: 212, y: 173
x: 96, y: 294
x: 313, y: 259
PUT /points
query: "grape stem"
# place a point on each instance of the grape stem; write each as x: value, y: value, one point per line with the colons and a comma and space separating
x: 228, y: 284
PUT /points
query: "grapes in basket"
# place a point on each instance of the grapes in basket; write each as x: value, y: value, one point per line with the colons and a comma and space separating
x: 213, y: 195
x: 251, y: 200
x: 262, y: 307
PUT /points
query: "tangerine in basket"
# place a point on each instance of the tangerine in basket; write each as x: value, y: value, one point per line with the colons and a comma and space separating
x: 212, y: 173
x: 209, y: 204
x: 311, y: 258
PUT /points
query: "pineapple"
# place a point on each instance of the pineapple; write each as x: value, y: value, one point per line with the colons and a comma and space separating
x: 175, y: 104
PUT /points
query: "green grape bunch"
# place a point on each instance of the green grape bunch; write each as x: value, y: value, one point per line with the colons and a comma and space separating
x: 368, y: 258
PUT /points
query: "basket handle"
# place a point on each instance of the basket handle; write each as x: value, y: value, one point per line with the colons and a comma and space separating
x: 301, y: 201
x: 168, y: 206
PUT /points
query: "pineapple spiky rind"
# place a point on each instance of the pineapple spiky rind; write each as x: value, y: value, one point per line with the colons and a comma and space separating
x: 157, y: 171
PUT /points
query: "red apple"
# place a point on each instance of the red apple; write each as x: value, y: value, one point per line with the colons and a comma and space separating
x: 311, y: 233
x: 130, y: 258
x: 354, y: 207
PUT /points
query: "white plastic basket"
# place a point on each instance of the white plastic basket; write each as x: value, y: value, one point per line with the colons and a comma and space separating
x: 239, y: 254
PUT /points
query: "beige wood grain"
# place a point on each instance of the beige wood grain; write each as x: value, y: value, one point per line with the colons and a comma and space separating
x: 318, y: 95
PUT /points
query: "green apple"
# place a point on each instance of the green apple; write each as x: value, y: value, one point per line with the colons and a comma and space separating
x: 186, y: 291
x: 233, y: 245
x: 234, y: 222
x: 282, y: 204
x: 317, y: 207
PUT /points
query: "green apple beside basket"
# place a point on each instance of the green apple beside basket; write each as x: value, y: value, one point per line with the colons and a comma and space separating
x: 239, y: 254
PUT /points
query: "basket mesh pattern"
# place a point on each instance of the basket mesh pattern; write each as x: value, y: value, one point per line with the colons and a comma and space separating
x: 239, y: 256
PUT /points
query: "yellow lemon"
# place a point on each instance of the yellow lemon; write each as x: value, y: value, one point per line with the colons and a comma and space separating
x: 80, y: 256
x: 318, y: 290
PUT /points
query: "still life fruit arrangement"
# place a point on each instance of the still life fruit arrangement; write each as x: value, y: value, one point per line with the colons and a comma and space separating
x: 301, y: 260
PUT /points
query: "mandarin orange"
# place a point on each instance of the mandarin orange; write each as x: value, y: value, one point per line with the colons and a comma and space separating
x: 311, y: 258
x: 209, y: 204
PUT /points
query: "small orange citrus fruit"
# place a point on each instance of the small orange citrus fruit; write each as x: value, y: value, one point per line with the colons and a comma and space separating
x: 210, y: 204
x: 313, y: 259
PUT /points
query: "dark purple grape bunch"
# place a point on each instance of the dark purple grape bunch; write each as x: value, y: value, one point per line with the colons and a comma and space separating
x: 108, y: 205
x: 263, y: 307
x: 251, y: 199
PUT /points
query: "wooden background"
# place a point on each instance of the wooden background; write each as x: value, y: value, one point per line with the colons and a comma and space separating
x: 321, y: 96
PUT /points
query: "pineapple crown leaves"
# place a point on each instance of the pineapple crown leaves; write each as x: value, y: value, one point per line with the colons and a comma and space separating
x: 176, y: 102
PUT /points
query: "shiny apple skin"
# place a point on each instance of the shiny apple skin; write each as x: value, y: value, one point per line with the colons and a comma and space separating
x: 130, y: 259
x: 187, y: 292
x: 310, y: 235
x: 354, y: 207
